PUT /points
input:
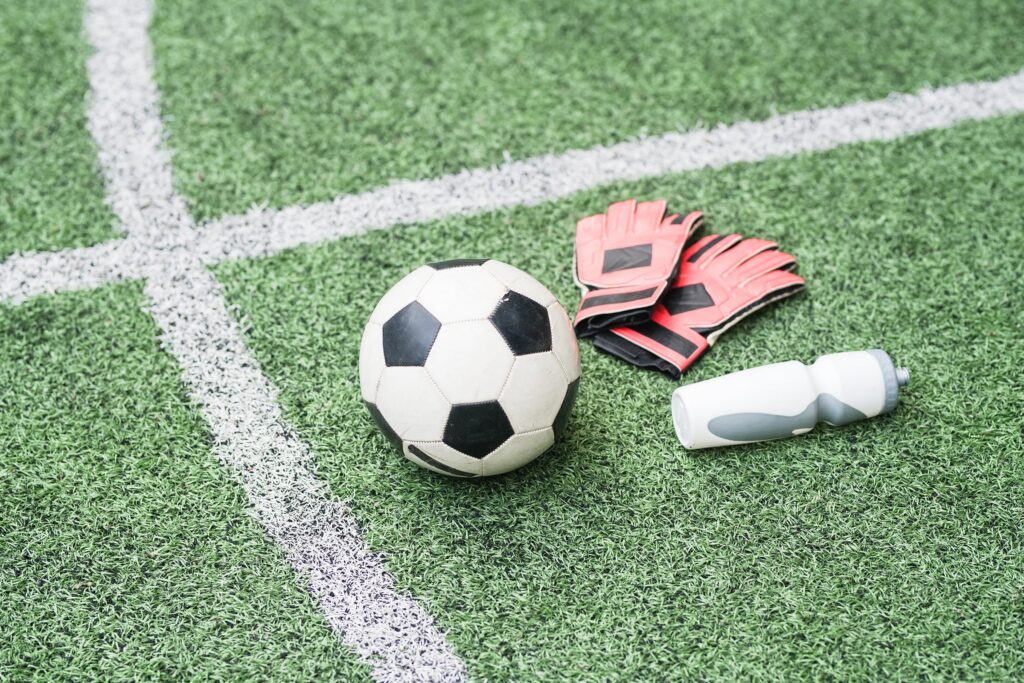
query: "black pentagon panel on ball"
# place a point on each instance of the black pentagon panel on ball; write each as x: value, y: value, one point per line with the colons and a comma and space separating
x: 476, y: 429
x: 523, y: 323
x: 562, y: 418
x: 408, y: 336
x: 384, y: 426
x: 457, y: 263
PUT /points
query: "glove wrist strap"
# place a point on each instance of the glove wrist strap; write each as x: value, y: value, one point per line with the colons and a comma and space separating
x: 653, y: 345
x: 603, y: 308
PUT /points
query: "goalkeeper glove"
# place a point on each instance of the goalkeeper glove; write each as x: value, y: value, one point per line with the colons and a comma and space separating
x: 722, y: 279
x: 625, y: 260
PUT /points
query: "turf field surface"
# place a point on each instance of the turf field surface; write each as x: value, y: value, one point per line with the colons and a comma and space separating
x: 348, y: 99
x: 886, y: 549
x: 126, y: 550
x: 52, y: 191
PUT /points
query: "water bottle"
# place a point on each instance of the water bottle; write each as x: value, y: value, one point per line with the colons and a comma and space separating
x: 785, y: 399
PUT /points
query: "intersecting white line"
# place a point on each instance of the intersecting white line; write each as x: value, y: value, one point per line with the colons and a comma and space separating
x: 164, y: 247
x: 387, y: 629
x: 263, y: 232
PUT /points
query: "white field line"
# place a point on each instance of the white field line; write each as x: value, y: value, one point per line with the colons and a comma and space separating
x: 24, y: 276
x: 124, y: 119
x: 264, y: 232
x: 387, y: 629
x: 322, y: 540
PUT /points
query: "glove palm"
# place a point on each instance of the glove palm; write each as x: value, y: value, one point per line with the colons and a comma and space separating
x: 625, y: 260
x: 722, y: 279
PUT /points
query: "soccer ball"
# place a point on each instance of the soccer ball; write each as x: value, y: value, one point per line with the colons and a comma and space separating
x: 469, y: 367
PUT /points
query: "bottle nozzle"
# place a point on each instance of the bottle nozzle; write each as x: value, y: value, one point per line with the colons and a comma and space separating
x: 902, y: 377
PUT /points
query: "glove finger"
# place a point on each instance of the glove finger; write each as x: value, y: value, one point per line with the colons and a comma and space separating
x: 648, y: 216
x: 725, y: 262
x: 700, y: 244
x: 620, y: 218
x: 762, y: 263
x: 708, y: 247
x: 690, y: 223
x: 589, y: 229
x: 775, y: 281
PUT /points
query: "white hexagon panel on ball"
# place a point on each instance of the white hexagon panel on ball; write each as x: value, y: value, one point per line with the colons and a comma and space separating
x: 461, y: 294
x: 401, y: 294
x: 469, y: 361
x: 412, y: 404
x: 534, y: 392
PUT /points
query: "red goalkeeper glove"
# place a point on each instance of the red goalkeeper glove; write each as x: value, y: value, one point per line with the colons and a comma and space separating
x: 722, y: 279
x: 625, y: 260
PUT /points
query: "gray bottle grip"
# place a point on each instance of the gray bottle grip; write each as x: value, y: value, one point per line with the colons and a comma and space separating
x: 764, y: 426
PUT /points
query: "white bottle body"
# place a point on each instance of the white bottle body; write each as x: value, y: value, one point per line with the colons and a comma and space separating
x: 785, y: 399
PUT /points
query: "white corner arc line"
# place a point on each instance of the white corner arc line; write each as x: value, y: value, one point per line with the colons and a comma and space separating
x: 386, y: 628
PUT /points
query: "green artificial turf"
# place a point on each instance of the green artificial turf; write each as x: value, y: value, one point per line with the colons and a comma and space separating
x: 281, y: 102
x: 125, y: 550
x: 51, y: 193
x: 890, y: 549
